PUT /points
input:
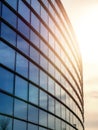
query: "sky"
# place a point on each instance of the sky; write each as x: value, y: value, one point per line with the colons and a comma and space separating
x: 83, y: 15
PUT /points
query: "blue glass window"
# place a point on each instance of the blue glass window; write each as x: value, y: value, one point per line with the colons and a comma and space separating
x: 34, y: 73
x: 43, y: 62
x: 7, y: 55
x: 6, y: 104
x: 33, y: 94
x: 21, y: 87
x: 57, y: 91
x: 32, y: 127
x: 51, y: 69
x: 6, y: 80
x: 41, y: 128
x: 19, y: 125
x: 5, y: 123
x: 44, y: 15
x: 43, y: 99
x: 35, y: 22
x: 34, y: 39
x: 51, y: 120
x: 23, y: 28
x: 35, y: 5
x: 22, y: 65
x: 8, y: 34
x: 22, y: 45
x: 33, y: 114
x: 42, y: 118
x: 20, y: 109
x: 51, y: 104
x: 51, y: 85
x: 6, y: 13
x: 13, y: 3
x: 43, y: 48
x: 44, y: 32
x: 43, y: 80
x: 34, y: 54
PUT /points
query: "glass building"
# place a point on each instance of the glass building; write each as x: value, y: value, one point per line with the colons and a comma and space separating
x: 41, y: 84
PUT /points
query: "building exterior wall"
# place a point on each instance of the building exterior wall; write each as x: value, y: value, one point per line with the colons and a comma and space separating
x: 41, y: 85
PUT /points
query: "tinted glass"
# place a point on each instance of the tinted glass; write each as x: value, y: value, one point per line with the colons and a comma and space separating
x: 43, y: 62
x: 20, y: 109
x: 58, y: 124
x: 44, y: 48
x: 22, y: 65
x: 6, y: 80
x: 12, y: 3
x: 44, y: 15
x: 43, y: 118
x: 6, y: 13
x: 7, y: 55
x: 51, y: 69
x: 44, y: 32
x: 6, y: 104
x: 33, y: 114
x: 8, y: 34
x: 23, y: 8
x: 51, y: 120
x: 51, y: 104
x: 35, y: 5
x: 34, y: 73
x: 57, y: 107
x: 19, y: 125
x: 21, y: 87
x: 51, y: 85
x: 32, y: 127
x: 43, y: 99
x: 57, y: 91
x: 33, y: 94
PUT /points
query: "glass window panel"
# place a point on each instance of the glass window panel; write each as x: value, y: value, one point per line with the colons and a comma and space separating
x: 12, y: 3
x: 46, y: 3
x: 20, y: 109
x: 6, y: 80
x: 63, y: 126
x: 43, y: 99
x: 33, y: 94
x: 6, y: 13
x: 22, y: 45
x: 8, y: 34
x: 57, y: 91
x: 43, y: 80
x: 44, y: 15
x: 5, y: 123
x: 44, y: 32
x: 51, y: 55
x: 19, y: 125
x: 51, y: 69
x: 22, y: 65
x: 51, y: 104
x: 35, y: 22
x: 6, y: 104
x: 23, y: 28
x: 51, y: 85
x: 34, y: 73
x: 34, y: 54
x: 44, y: 48
x: 23, y: 8
x: 34, y: 39
x: 33, y: 114
x: 57, y: 75
x: 41, y: 128
x: 51, y: 41
x: 7, y: 55
x: 51, y: 120
x: 63, y: 110
x: 58, y: 124
x: 36, y: 6
x: 32, y: 127
x: 51, y: 24
x: 57, y: 107
x: 63, y: 96
x: 43, y: 62
x: 21, y: 87
x: 42, y: 118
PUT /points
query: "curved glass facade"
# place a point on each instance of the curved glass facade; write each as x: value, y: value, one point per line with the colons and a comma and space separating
x: 41, y: 85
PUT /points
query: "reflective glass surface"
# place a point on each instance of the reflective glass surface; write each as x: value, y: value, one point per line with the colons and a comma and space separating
x: 19, y: 125
x: 42, y: 118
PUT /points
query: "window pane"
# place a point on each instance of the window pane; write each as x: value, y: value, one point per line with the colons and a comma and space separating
x: 43, y: 80
x: 51, y: 120
x: 21, y: 87
x: 23, y: 28
x: 57, y: 107
x: 43, y: 99
x: 23, y: 8
x: 44, y: 15
x: 20, y: 109
x: 33, y: 114
x: 6, y: 13
x: 58, y: 124
x: 34, y: 54
x: 51, y: 69
x: 36, y: 5
x: 34, y: 39
x: 43, y: 62
x: 44, y: 32
x: 6, y: 104
x: 19, y: 125
x: 8, y: 34
x: 32, y: 127
x: 57, y: 91
x: 63, y: 111
x: 5, y: 123
x: 44, y: 48
x: 35, y: 22
x: 34, y: 73
x: 42, y: 118
x: 51, y: 85
x: 33, y: 94
x: 51, y: 104
x: 22, y: 45
x: 22, y: 65
x: 7, y: 55
x: 6, y: 80
x: 12, y: 3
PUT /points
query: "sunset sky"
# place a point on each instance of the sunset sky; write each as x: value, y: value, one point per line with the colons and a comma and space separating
x: 83, y: 15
